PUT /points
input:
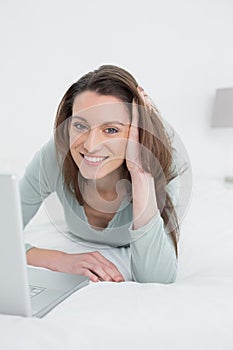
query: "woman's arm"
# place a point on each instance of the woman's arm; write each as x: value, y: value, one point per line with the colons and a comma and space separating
x: 93, y: 264
x: 153, y: 256
x: 38, y: 181
x: 144, y: 199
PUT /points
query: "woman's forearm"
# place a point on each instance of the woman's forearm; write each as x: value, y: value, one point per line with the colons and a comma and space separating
x: 46, y: 258
x: 91, y: 264
x: 144, y: 199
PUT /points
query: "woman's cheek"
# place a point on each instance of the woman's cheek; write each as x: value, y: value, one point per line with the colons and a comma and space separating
x: 75, y: 139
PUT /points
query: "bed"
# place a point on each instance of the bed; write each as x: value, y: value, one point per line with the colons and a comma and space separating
x: 195, y: 312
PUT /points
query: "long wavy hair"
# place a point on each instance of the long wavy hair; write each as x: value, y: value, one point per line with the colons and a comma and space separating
x: 157, y: 144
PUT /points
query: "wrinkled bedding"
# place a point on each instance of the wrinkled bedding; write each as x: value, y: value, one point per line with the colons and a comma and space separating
x: 195, y: 312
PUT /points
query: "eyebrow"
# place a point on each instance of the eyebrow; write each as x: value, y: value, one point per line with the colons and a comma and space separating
x: 105, y: 123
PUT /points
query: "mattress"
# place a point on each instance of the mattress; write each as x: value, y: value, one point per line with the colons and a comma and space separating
x: 195, y: 312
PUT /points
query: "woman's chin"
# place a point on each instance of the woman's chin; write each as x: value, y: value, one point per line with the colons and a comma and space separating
x: 99, y: 174
x: 91, y: 175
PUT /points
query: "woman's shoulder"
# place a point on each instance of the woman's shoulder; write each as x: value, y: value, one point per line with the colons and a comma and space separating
x: 46, y: 153
x: 48, y: 148
x: 48, y: 157
x: 44, y: 163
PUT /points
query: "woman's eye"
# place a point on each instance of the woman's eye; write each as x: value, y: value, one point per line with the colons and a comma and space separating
x: 111, y: 130
x: 79, y: 126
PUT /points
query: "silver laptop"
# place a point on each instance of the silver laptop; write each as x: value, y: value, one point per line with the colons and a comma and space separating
x: 25, y: 290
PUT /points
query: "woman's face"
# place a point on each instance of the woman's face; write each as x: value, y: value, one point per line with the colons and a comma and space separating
x: 98, y: 134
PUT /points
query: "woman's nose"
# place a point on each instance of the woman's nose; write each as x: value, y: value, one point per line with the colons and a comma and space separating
x: 92, y: 140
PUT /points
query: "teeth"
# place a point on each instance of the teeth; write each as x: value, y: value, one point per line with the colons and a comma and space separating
x: 94, y: 159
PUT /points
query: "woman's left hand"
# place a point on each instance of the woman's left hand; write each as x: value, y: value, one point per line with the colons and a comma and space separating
x: 143, y: 188
x: 133, y: 160
x: 132, y: 156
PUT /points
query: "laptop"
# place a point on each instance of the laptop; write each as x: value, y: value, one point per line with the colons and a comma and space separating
x: 26, y: 290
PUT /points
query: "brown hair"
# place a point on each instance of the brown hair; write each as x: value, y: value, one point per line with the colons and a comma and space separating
x: 115, y: 81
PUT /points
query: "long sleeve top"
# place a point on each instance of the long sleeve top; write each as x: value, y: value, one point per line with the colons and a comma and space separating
x: 153, y: 257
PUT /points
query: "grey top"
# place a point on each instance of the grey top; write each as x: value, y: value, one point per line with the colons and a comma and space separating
x: 153, y: 257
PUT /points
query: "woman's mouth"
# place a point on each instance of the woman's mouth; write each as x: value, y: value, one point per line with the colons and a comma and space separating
x: 93, y: 160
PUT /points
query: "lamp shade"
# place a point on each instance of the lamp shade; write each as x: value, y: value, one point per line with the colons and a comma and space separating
x: 223, y: 108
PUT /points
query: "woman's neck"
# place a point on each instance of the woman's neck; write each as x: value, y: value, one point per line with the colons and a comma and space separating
x: 110, y: 185
x: 108, y: 192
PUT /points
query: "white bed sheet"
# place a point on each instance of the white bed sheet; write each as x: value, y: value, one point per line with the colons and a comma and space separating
x: 195, y: 312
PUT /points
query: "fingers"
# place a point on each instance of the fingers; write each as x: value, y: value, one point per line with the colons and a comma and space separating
x: 101, y: 268
x: 146, y: 99
x: 133, y: 132
x: 91, y: 275
x: 132, y: 152
x: 135, y: 114
x: 108, y: 270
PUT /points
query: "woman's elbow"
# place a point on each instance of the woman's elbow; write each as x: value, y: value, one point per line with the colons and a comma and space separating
x: 156, y: 276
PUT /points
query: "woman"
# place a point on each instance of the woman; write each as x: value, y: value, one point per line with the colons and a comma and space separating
x: 110, y: 163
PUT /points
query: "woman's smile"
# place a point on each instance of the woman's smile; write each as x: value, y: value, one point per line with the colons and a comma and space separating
x: 93, y: 160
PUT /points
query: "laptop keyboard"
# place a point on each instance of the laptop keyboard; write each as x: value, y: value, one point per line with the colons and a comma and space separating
x: 34, y: 290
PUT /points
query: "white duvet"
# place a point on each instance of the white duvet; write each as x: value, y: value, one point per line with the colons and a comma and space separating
x: 196, y: 312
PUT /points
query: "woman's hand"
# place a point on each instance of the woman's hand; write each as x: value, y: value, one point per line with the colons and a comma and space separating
x: 92, y: 264
x: 133, y: 161
x: 132, y: 156
x: 143, y: 188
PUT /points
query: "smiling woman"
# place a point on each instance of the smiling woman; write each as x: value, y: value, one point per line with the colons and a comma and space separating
x: 111, y: 164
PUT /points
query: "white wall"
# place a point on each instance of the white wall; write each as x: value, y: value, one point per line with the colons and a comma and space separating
x: 179, y: 51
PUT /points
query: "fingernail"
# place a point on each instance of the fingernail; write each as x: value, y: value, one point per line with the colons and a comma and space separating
x: 140, y: 88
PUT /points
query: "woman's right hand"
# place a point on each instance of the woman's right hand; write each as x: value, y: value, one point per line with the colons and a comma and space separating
x: 91, y: 264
